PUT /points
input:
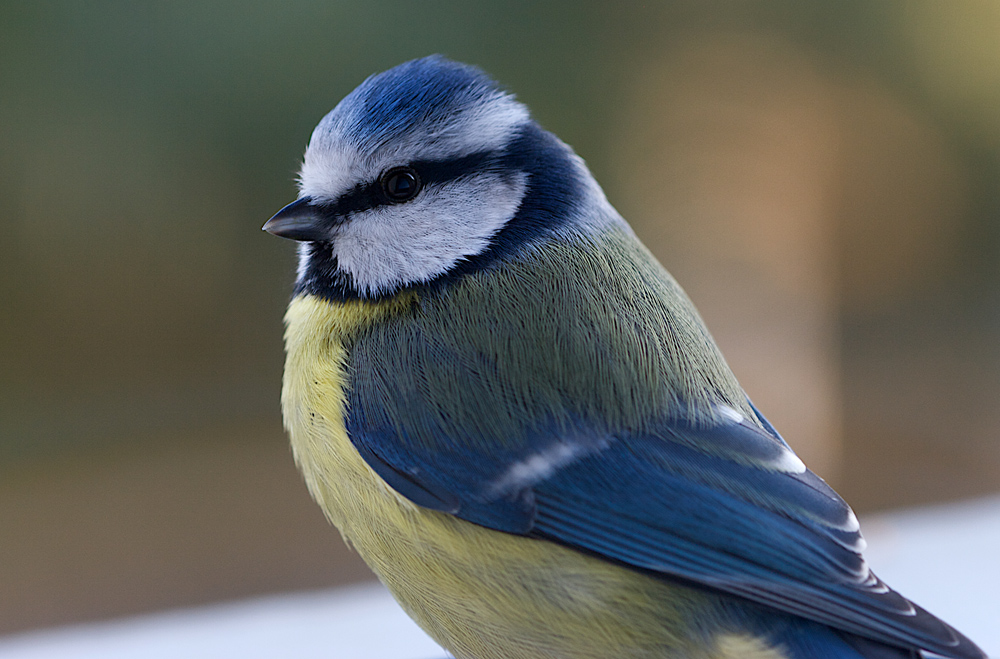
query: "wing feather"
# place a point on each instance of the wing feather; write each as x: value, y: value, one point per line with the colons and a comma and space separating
x: 658, y: 504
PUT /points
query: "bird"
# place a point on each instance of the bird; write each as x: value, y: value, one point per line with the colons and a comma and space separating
x: 517, y: 418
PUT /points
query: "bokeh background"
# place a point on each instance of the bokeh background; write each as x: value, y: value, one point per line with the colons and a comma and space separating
x: 824, y: 179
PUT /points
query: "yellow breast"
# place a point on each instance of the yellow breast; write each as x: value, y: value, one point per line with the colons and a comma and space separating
x: 481, y: 594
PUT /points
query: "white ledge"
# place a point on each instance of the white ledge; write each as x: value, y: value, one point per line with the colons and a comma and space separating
x: 946, y: 558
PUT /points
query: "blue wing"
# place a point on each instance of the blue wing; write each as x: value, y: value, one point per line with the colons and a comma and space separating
x: 725, y: 505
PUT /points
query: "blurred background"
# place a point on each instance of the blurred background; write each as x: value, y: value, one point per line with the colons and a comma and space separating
x: 823, y: 178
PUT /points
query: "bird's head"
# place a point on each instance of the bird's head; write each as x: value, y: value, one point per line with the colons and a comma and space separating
x: 424, y: 173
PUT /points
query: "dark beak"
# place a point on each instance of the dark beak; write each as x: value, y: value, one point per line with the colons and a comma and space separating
x: 299, y: 220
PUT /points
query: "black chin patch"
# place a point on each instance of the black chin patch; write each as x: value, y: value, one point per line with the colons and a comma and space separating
x: 323, y: 275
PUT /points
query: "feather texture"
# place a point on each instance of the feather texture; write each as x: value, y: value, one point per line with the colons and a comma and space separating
x: 517, y: 417
x: 595, y: 443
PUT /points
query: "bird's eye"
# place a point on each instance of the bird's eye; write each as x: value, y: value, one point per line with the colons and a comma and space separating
x: 401, y: 183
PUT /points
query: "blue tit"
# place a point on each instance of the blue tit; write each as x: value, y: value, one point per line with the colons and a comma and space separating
x: 518, y: 419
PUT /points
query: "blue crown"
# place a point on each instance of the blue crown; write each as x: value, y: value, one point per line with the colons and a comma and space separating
x: 419, y: 92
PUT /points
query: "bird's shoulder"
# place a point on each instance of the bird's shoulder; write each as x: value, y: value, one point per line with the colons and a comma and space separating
x: 588, y: 325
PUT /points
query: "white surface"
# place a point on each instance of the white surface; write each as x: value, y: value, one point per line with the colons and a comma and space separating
x: 348, y: 623
x: 945, y: 558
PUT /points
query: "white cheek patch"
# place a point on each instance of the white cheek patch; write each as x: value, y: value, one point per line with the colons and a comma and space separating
x: 413, y: 242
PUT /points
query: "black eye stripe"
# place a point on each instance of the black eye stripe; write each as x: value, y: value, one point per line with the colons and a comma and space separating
x: 554, y: 186
x: 442, y: 171
x: 367, y: 196
x: 361, y: 197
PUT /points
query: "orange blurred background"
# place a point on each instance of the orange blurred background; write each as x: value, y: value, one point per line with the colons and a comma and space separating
x: 823, y: 178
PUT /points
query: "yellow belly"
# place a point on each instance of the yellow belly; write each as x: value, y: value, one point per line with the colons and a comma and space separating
x: 481, y: 594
